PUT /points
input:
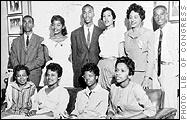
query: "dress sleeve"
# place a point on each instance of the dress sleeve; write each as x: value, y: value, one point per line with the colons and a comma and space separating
x: 151, y: 55
x: 62, y: 103
x: 8, y: 96
x: 143, y: 99
x: 102, y: 108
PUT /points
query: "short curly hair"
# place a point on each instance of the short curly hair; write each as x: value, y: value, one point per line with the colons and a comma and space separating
x: 92, y: 67
x: 127, y: 61
x: 18, y: 68
x: 62, y: 21
x: 54, y: 67
x: 105, y: 9
x: 136, y: 8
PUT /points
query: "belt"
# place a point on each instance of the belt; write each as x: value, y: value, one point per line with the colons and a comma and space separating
x: 138, y: 71
x: 109, y: 58
x: 166, y: 63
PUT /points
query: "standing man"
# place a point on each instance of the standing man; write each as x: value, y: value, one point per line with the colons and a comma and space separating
x: 167, y: 56
x: 27, y: 50
x: 84, y: 45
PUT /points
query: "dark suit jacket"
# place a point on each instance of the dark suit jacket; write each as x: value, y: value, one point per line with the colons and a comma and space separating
x: 81, y: 54
x: 32, y: 57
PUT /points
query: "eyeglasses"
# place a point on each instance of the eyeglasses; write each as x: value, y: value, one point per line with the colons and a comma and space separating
x: 21, y: 76
x: 88, y: 76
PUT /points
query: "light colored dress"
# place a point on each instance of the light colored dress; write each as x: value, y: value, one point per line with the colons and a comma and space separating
x: 124, y: 102
x: 60, y: 53
x: 91, y: 106
x: 109, y: 45
x: 139, y: 46
x: 56, y: 101
x: 19, y: 100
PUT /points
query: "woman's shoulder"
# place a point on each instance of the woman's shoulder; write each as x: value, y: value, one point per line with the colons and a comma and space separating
x: 61, y: 89
x: 47, y: 41
x: 137, y: 88
x: 148, y: 31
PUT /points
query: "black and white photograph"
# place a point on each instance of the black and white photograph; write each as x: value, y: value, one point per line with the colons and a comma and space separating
x: 14, y: 24
x: 14, y: 7
x: 93, y: 59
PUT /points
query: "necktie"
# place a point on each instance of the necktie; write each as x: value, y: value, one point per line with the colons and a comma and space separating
x: 27, y: 41
x: 88, y: 38
x: 159, y: 52
x: 90, y: 93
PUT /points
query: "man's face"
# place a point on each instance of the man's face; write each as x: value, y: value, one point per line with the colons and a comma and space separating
x: 88, y: 14
x: 27, y: 24
x: 160, y: 16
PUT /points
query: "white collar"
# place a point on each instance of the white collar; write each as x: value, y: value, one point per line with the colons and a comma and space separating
x: 90, y: 28
x: 25, y: 36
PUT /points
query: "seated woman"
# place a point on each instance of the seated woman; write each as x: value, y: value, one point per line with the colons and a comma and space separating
x: 128, y: 99
x: 92, y: 102
x: 19, y: 93
x: 52, y: 100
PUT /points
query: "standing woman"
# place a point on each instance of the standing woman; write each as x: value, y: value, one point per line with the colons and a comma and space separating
x: 59, y: 48
x: 139, y: 46
x: 111, y: 47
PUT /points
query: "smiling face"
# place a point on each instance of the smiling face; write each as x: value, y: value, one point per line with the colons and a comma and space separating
x: 135, y: 20
x: 88, y: 14
x: 90, y: 78
x: 52, y: 78
x: 57, y: 27
x: 121, y: 72
x: 108, y: 18
x: 160, y: 16
x: 21, y: 77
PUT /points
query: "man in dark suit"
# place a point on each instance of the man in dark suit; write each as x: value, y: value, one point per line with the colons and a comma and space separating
x: 84, y: 45
x: 27, y: 50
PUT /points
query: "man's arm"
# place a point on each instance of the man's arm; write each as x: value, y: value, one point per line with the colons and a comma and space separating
x: 14, y: 55
x: 74, y: 49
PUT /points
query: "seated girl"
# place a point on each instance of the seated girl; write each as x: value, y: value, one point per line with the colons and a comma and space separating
x: 128, y: 99
x: 92, y: 102
x: 19, y: 93
x: 52, y: 100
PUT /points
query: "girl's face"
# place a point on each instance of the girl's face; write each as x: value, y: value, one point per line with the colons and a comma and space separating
x: 52, y: 78
x: 121, y: 72
x: 135, y: 20
x: 90, y: 78
x: 108, y: 18
x: 57, y: 27
x: 21, y: 77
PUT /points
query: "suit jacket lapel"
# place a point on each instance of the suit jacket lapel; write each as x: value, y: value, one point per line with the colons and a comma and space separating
x: 22, y: 41
x: 94, y: 33
x: 30, y: 46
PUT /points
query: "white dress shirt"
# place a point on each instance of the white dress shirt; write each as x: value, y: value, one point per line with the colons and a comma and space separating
x: 86, y: 31
x: 25, y: 38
